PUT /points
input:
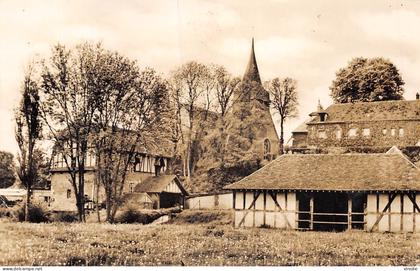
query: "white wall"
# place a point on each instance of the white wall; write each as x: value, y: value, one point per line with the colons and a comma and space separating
x: 217, y: 201
x: 396, y: 219
x: 265, y: 210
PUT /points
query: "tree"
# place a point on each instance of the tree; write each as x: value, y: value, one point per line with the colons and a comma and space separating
x: 284, y: 101
x: 190, y: 83
x: 367, y: 80
x: 69, y: 100
x: 7, y: 169
x: 131, y: 105
x: 28, y: 133
x: 225, y: 85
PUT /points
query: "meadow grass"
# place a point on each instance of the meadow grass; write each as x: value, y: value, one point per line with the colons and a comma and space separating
x: 197, y: 244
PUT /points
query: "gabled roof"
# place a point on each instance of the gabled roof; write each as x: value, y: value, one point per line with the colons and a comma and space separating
x: 362, y: 172
x: 252, y: 73
x: 157, y: 184
x: 373, y: 111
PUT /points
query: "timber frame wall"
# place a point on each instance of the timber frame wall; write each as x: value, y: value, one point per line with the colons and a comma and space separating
x: 384, y: 211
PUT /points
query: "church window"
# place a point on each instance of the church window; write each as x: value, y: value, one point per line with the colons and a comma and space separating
x: 384, y: 131
x: 267, y: 149
x: 68, y: 193
x: 393, y: 132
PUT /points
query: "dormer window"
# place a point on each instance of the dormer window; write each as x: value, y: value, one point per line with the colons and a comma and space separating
x: 322, y: 116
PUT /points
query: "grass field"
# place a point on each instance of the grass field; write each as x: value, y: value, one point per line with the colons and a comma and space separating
x: 197, y: 243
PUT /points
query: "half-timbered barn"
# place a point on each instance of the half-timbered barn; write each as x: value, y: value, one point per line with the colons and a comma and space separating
x: 374, y: 192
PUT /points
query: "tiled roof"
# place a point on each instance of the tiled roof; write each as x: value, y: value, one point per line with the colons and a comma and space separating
x: 157, y: 184
x: 303, y: 127
x: 364, y: 172
x: 373, y: 111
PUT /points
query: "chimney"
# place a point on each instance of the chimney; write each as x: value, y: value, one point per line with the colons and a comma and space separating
x: 417, y: 96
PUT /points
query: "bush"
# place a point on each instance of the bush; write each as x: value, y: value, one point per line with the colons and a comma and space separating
x: 131, y: 214
x: 64, y: 217
x: 37, y: 213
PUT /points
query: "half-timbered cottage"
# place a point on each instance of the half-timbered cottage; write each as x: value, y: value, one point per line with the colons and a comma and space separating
x: 150, y: 160
x: 160, y: 192
x: 374, y: 192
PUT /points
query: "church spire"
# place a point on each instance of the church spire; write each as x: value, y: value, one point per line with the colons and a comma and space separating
x: 251, y: 72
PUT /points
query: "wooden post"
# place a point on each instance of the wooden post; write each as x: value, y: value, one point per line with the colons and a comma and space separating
x: 297, y: 211
x: 349, y: 211
x: 234, y: 206
x: 253, y: 213
x: 311, y: 211
x: 265, y: 206
x: 401, y: 212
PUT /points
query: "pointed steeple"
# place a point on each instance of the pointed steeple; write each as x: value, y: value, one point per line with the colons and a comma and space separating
x: 251, y: 72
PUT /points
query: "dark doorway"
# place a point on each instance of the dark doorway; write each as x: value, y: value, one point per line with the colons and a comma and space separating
x: 358, y: 204
x: 168, y: 200
x: 331, y: 211
x: 304, y: 211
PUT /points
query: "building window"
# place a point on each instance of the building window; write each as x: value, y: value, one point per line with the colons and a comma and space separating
x: 68, y: 193
x: 267, y: 149
x: 401, y: 132
x: 338, y: 134
x: 322, y: 134
x: 384, y: 131
x: 392, y: 132
x: 352, y: 132
x: 366, y: 132
x: 131, y: 187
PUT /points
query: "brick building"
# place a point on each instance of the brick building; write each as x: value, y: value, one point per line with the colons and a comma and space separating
x: 367, y: 125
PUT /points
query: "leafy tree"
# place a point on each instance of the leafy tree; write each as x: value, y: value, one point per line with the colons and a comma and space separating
x: 190, y: 84
x: 69, y: 99
x: 7, y: 169
x: 367, y: 80
x: 284, y: 101
x: 28, y: 133
x: 132, y: 104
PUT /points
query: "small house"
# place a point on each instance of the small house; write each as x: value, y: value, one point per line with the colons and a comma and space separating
x: 163, y: 191
x: 373, y: 192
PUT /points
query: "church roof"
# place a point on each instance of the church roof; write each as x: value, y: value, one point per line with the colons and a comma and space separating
x: 252, y: 73
x: 340, y: 172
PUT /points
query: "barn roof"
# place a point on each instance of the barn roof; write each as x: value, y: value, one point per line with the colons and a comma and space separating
x: 372, y: 111
x: 363, y: 172
x: 157, y: 184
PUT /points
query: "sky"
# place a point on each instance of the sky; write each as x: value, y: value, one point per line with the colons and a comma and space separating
x: 306, y: 40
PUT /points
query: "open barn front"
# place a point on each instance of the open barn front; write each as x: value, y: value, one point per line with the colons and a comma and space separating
x: 330, y: 211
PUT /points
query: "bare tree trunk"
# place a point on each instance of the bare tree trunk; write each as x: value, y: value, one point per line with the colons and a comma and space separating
x: 281, y: 136
x: 28, y: 201
x: 97, y: 184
